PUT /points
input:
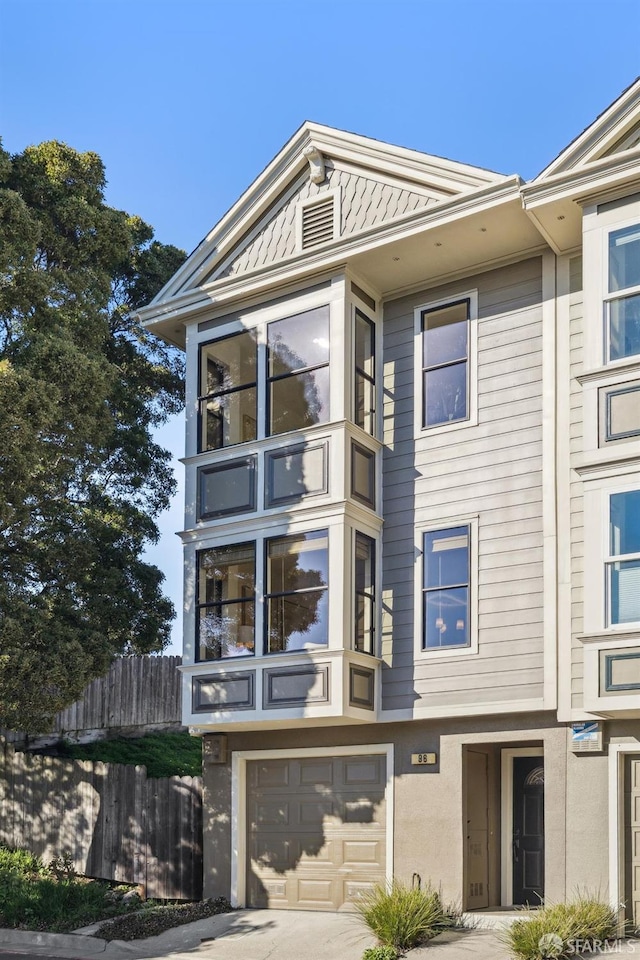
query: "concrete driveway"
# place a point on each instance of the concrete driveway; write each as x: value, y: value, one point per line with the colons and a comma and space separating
x: 251, y: 935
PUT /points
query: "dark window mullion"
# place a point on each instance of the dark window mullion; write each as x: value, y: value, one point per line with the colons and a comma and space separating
x: 294, y: 373
x: 448, y: 363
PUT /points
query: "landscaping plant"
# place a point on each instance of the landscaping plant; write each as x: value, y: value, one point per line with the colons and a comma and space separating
x: 562, y: 930
x: 380, y: 953
x: 151, y: 921
x: 403, y: 917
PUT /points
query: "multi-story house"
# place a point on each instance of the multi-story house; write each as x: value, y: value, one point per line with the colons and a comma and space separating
x: 412, y: 529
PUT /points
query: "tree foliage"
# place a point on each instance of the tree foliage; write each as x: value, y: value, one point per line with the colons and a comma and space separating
x: 82, y: 386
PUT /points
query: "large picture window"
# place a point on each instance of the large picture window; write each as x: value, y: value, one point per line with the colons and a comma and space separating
x: 623, y: 302
x: 445, y: 588
x: 297, y: 601
x: 228, y: 391
x: 445, y: 363
x: 623, y: 563
x: 298, y: 371
x: 226, y: 602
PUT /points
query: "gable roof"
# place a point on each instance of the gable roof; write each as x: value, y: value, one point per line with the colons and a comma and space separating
x: 380, y: 182
x: 615, y: 130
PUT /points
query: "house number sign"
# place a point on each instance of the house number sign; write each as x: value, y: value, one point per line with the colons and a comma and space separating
x: 420, y: 759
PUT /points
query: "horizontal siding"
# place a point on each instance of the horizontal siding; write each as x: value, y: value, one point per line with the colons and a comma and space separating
x: 493, y: 471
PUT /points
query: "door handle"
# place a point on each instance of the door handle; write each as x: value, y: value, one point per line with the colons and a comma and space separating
x: 516, y: 845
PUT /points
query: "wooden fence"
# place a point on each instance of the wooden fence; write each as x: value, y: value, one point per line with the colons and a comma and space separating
x: 139, y: 695
x: 113, y: 821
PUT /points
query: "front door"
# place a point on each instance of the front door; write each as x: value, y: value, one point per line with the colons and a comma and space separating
x: 528, y: 830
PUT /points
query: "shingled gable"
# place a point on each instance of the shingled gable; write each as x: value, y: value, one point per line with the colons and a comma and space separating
x: 361, y: 182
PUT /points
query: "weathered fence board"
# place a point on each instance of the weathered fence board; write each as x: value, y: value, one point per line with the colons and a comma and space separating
x: 113, y: 821
x: 139, y: 695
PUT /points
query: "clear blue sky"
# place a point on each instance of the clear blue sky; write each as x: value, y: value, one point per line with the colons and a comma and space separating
x: 186, y: 101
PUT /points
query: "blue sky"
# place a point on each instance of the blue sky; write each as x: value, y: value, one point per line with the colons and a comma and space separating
x: 186, y: 101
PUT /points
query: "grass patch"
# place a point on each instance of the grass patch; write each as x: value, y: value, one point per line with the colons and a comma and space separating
x: 402, y: 917
x: 33, y: 897
x: 562, y: 930
x: 163, y: 754
x: 380, y: 953
x: 151, y: 921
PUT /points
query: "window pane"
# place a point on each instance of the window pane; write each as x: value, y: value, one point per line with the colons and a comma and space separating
x: 365, y: 403
x: 624, y: 587
x: 364, y: 345
x: 299, y: 341
x: 446, y: 618
x: 364, y: 632
x: 624, y: 258
x: 229, y: 419
x: 445, y: 394
x: 446, y: 557
x: 365, y: 549
x: 296, y: 473
x: 624, y: 327
x: 445, y: 333
x: 228, y: 363
x: 299, y: 401
x: 227, y: 573
x: 229, y: 488
x: 363, y: 475
x: 298, y: 563
x: 297, y: 619
x: 227, y: 630
x: 624, y: 523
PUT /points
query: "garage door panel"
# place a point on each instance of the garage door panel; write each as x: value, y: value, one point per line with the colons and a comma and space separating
x: 313, y: 844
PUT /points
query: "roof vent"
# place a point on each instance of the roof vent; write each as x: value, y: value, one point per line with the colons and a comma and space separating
x: 318, y: 222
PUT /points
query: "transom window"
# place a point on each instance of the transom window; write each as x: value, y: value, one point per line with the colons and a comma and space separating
x: 445, y: 363
x: 445, y: 588
x: 623, y: 563
x: 623, y: 301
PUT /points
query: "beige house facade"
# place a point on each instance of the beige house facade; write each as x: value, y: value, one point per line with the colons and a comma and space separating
x: 412, y: 523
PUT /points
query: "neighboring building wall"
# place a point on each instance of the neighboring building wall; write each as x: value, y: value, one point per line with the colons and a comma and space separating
x: 492, y: 470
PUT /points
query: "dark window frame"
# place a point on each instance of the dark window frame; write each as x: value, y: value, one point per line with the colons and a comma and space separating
x: 204, y: 398
x: 359, y: 372
x: 370, y: 595
x: 210, y: 604
x: 267, y: 595
x: 425, y: 590
x: 357, y: 448
x: 426, y: 369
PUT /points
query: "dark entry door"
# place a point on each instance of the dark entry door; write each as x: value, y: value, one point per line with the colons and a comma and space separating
x: 528, y: 830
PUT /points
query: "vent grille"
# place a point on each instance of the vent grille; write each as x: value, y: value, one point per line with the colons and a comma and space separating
x: 317, y: 223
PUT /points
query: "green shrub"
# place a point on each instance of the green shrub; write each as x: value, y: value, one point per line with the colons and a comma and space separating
x: 32, y: 898
x: 380, y: 953
x: 402, y: 917
x: 163, y: 754
x: 562, y: 929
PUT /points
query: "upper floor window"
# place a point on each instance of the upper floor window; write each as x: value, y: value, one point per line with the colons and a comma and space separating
x: 445, y: 363
x: 623, y: 300
x: 228, y: 391
x: 226, y: 601
x: 623, y: 562
x: 365, y: 593
x: 446, y: 587
x: 297, y: 599
x: 365, y: 373
x: 235, y: 372
x: 298, y: 371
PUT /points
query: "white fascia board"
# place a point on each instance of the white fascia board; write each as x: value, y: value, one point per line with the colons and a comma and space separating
x: 184, y: 306
x: 603, y: 133
x: 601, y: 175
x: 411, y: 166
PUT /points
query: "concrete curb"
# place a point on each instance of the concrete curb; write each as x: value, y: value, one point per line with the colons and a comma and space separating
x: 53, y: 941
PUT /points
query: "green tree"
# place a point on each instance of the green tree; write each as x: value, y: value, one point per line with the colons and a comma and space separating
x: 82, y: 386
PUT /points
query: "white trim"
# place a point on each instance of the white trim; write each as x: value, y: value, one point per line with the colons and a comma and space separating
x: 617, y: 752
x: 563, y: 488
x: 506, y: 816
x: 446, y: 654
x: 549, y: 474
x: 239, y: 759
x: 420, y: 431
